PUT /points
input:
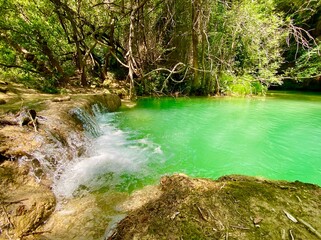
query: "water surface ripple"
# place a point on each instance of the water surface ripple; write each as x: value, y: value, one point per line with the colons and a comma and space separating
x: 276, y: 137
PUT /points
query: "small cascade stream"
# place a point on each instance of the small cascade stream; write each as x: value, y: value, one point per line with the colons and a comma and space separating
x: 112, y: 157
x: 89, y: 187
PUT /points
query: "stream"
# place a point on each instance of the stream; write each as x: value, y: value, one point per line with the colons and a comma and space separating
x: 275, y: 137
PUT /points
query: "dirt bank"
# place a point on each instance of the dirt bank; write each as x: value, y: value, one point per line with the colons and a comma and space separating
x: 233, y: 207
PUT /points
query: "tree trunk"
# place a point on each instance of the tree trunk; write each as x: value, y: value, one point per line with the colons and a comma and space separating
x: 63, y: 79
x: 70, y: 15
x: 130, y: 58
x: 195, y: 28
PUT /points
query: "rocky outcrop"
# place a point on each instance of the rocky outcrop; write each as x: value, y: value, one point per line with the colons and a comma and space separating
x: 25, y: 204
x: 30, y: 152
x: 58, y: 127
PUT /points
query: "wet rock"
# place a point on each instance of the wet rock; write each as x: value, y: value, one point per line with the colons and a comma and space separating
x: 85, y: 218
x: 7, y: 122
x: 3, y: 83
x: 112, y: 102
x: 3, y: 155
x: 28, y: 117
x: 25, y: 204
x: 29, y: 203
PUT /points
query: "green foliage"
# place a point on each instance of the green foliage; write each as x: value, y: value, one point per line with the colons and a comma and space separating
x: 303, y: 52
x: 308, y: 65
x: 300, y: 11
x: 241, y: 85
x: 246, y: 42
x: 54, y: 40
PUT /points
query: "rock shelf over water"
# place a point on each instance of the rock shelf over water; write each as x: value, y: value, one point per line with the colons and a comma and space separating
x: 30, y: 155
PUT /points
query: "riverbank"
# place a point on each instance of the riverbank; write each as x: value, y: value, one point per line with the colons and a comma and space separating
x: 232, y: 207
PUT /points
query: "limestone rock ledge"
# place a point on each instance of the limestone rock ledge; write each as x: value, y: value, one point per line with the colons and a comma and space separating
x: 29, y: 157
x: 25, y: 204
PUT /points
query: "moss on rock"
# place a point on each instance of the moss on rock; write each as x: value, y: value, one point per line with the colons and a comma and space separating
x: 233, y: 207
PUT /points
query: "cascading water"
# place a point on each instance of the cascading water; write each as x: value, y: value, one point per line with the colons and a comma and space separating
x: 111, y: 158
x: 90, y: 183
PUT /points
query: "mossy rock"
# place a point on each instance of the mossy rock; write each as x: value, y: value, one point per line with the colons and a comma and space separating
x: 233, y: 207
x: 27, y: 203
x: 110, y: 101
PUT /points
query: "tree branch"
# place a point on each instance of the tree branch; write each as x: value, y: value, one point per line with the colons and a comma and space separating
x: 16, y: 66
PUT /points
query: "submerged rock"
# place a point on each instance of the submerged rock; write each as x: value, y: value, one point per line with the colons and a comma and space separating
x: 233, y: 207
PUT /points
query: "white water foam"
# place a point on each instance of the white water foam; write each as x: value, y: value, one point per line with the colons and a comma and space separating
x: 111, y: 154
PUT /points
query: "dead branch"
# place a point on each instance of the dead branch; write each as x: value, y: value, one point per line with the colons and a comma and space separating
x: 283, y: 234
x: 34, y: 233
x: 166, y: 70
x: 202, y: 214
x: 302, y: 37
x: 240, y: 227
x: 33, y: 120
x: 291, y: 235
x: 289, y: 216
x: 113, y: 53
x: 7, y: 216
x: 7, y: 234
x: 296, y: 78
x: 15, y: 202
x: 170, y: 74
x: 308, y: 226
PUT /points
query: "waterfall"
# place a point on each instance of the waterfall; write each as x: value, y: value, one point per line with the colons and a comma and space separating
x: 113, y: 158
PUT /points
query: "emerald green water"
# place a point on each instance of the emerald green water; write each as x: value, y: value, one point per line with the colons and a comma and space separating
x: 275, y: 137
